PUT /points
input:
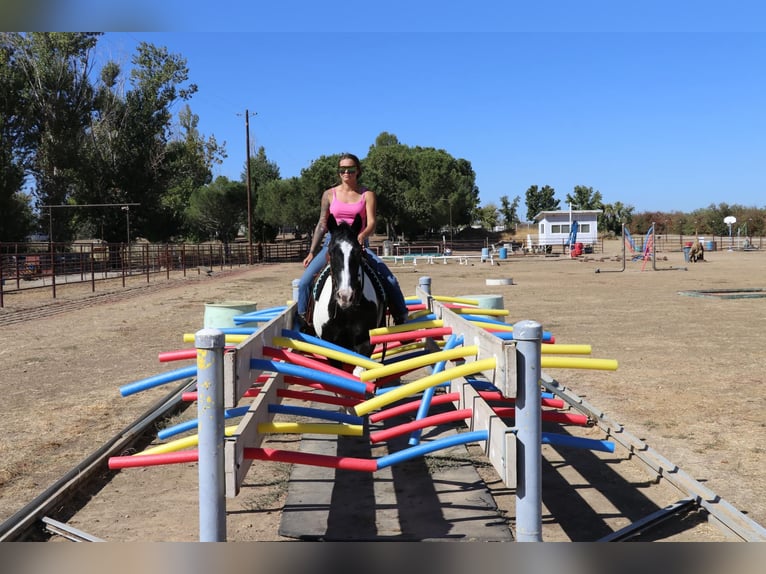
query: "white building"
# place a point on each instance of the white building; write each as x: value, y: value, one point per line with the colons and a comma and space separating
x: 555, y: 227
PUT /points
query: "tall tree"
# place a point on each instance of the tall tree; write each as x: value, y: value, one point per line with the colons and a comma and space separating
x: 55, y: 68
x: 510, y: 211
x: 538, y: 200
x: 217, y: 211
x: 159, y: 79
x: 262, y: 171
x: 16, y: 219
x: 188, y: 163
x: 584, y: 198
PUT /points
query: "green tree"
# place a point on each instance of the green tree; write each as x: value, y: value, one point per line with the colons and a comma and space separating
x: 159, y: 79
x: 614, y: 215
x: 391, y: 171
x: 56, y: 89
x: 217, y: 211
x: 538, y: 200
x: 16, y: 219
x: 584, y: 199
x: 510, y: 211
x: 284, y: 202
x: 489, y: 215
x: 262, y: 171
x: 189, y: 162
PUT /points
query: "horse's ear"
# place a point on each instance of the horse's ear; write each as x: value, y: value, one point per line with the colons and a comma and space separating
x: 332, y: 225
x: 357, y: 225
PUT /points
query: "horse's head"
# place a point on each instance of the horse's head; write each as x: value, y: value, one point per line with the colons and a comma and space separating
x: 345, y: 254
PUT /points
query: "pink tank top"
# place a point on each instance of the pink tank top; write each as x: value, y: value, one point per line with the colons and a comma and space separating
x: 347, y: 211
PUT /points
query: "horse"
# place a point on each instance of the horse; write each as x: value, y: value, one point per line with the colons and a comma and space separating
x: 697, y: 252
x: 353, y: 301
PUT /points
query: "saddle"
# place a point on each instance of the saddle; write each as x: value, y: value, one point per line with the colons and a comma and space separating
x: 321, y: 278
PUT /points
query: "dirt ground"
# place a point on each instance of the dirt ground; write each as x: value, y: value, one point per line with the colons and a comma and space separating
x: 689, y: 382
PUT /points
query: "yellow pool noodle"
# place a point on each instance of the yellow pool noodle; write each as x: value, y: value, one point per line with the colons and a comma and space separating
x: 557, y: 349
x: 181, y: 443
x: 417, y: 362
x: 458, y: 300
x: 234, y: 339
x: 549, y: 362
x: 422, y: 384
x: 479, y: 311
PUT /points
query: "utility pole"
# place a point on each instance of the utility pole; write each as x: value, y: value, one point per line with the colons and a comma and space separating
x: 249, y: 192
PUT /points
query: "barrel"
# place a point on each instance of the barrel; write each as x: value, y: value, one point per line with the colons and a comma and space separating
x: 488, y: 302
x: 484, y: 254
x: 503, y: 253
x: 709, y: 245
x: 221, y: 315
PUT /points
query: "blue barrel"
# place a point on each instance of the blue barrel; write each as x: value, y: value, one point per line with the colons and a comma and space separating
x: 484, y: 253
x: 503, y: 253
x: 710, y: 246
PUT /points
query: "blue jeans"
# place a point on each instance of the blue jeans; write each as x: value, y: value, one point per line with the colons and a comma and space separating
x: 396, y: 302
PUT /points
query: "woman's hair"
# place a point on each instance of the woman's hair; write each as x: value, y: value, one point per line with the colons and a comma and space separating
x: 356, y: 161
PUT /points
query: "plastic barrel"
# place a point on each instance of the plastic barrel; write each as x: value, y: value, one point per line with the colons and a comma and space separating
x: 222, y: 314
x: 503, y: 253
x: 489, y: 302
x: 484, y: 253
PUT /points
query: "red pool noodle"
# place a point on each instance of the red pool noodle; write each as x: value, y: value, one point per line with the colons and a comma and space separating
x: 550, y: 416
x: 411, y: 406
x: 275, y: 455
x: 304, y: 361
x: 433, y: 420
x: 297, y: 457
x: 133, y: 461
x: 411, y: 335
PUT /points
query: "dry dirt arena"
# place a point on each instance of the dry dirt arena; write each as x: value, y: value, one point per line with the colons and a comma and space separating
x: 690, y: 381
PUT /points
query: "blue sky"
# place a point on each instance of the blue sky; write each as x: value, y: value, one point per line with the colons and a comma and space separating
x: 656, y: 106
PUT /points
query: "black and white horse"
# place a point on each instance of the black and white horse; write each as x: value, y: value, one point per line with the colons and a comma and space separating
x: 352, y: 302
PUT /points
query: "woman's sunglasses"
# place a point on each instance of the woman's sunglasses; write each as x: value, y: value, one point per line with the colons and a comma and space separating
x: 344, y: 169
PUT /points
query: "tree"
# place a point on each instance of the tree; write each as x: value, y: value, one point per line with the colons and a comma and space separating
x: 489, y: 216
x: 262, y: 171
x: 284, y: 203
x: 218, y: 210
x: 188, y: 163
x: 584, y: 198
x: 158, y: 81
x: 538, y: 200
x: 614, y: 215
x: 391, y: 171
x: 58, y: 96
x: 16, y: 219
x: 510, y: 211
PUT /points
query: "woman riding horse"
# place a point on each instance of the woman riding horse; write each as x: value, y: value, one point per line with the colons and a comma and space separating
x: 345, y: 201
x: 352, y: 301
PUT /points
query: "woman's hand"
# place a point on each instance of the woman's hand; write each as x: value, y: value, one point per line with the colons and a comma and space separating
x: 308, y: 259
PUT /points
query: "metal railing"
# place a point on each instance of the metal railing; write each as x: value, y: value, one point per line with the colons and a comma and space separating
x: 45, y: 265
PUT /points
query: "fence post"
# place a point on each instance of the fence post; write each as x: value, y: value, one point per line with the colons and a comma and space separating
x: 210, y: 416
x: 528, y: 336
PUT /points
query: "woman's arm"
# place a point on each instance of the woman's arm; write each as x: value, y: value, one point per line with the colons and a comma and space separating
x: 320, y: 229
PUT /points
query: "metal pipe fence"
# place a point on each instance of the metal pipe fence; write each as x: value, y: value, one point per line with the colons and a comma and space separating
x: 46, y: 265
